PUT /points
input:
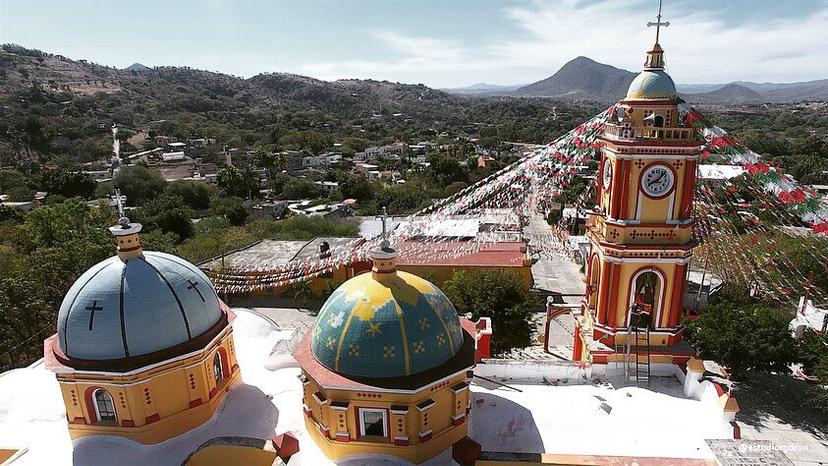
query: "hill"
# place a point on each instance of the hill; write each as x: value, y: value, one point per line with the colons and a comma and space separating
x: 136, y: 67
x: 770, y: 92
x: 582, y: 79
x: 730, y: 94
x: 52, y: 106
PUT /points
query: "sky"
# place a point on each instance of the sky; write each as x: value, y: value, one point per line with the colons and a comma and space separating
x: 440, y: 43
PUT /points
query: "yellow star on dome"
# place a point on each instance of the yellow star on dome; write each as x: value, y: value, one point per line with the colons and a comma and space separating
x: 373, y: 329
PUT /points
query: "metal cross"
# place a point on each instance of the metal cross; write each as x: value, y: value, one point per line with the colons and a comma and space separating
x: 658, y: 22
x: 194, y: 286
x: 123, y: 220
x: 384, y: 218
x: 93, y: 308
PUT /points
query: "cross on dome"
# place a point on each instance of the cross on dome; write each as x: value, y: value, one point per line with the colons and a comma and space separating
x: 658, y: 23
x: 655, y: 57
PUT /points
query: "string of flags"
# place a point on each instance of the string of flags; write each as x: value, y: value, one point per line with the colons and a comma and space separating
x: 525, y: 188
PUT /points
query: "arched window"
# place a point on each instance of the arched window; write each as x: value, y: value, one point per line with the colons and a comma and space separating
x: 658, y: 122
x: 217, y: 369
x: 104, y: 407
x: 646, y: 293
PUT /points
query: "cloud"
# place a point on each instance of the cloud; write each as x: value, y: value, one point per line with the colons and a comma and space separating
x: 701, y: 46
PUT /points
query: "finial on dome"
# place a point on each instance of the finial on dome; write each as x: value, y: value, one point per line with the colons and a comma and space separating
x: 126, y: 233
x: 655, y: 57
x: 384, y: 257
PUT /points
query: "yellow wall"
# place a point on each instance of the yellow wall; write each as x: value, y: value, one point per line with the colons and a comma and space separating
x: 152, y: 405
x: 448, y: 404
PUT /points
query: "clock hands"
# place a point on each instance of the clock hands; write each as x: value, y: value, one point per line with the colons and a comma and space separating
x: 653, y: 182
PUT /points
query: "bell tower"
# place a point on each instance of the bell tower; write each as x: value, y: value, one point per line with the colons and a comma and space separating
x: 640, y: 229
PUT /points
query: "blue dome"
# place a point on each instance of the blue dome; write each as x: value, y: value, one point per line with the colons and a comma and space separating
x: 652, y: 84
x: 149, y: 303
x: 394, y: 327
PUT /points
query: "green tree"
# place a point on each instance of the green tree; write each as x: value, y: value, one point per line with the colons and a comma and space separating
x: 444, y: 170
x: 500, y: 295
x: 744, y: 334
x: 170, y: 214
x: 229, y: 208
x: 13, y: 183
x: 820, y: 392
x: 813, y: 348
x: 139, y: 184
x: 68, y: 184
x: 241, y: 182
x: 356, y: 187
x: 300, y: 189
x: 302, y: 293
x: 195, y: 195
x: 401, y: 199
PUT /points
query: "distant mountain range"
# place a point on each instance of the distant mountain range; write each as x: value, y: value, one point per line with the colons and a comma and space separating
x: 586, y: 79
x: 483, y: 89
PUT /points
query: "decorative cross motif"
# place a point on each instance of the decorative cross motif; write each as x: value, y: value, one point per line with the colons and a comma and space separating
x: 419, y: 346
x: 93, y: 308
x: 194, y: 286
x: 677, y: 164
x: 658, y: 22
x: 639, y: 163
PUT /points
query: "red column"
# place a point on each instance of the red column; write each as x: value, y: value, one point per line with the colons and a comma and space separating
x: 577, y: 344
x: 617, y: 185
x: 677, y: 299
x: 688, y: 186
x: 625, y: 188
x: 604, y: 284
x: 613, y: 297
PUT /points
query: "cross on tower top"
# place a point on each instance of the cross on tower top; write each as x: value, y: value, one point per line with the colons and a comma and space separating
x: 658, y: 23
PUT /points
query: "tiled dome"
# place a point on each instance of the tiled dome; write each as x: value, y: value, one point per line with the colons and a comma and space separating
x: 122, y: 308
x: 390, y: 325
x: 652, y: 84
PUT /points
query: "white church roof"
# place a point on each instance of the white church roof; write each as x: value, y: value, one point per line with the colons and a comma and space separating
x: 540, y: 418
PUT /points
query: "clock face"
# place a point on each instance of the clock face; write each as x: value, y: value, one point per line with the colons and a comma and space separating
x: 607, y: 175
x: 657, y: 181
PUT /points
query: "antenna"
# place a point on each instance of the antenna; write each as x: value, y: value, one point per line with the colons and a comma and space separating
x: 658, y: 22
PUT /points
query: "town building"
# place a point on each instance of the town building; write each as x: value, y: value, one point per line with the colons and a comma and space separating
x: 327, y: 187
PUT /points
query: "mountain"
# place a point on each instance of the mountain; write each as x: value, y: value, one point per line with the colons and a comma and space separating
x: 582, y: 79
x: 483, y: 89
x: 731, y: 93
x: 136, y: 67
x: 770, y: 92
x: 586, y: 79
x: 164, y: 90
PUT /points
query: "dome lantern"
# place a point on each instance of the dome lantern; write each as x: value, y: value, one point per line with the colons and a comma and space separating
x: 384, y: 257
